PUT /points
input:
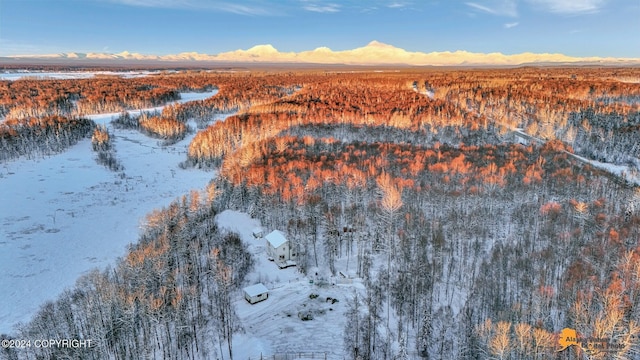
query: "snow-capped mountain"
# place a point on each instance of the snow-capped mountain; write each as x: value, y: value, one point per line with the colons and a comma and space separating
x: 374, y: 53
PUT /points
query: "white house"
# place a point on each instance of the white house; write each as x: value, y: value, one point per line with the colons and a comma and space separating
x: 278, y: 247
x: 256, y: 293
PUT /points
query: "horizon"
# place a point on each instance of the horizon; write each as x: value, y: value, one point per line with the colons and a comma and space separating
x: 581, y: 28
x: 372, y: 43
x: 374, y: 53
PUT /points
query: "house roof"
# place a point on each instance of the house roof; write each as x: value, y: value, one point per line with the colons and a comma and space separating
x: 276, y: 238
x: 255, y: 290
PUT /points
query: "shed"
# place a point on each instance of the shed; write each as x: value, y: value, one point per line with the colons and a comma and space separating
x: 256, y: 293
x: 258, y: 233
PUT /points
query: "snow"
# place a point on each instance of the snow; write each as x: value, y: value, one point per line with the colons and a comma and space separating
x: 626, y: 172
x: 276, y: 239
x: 430, y: 94
x: 184, y: 98
x: 37, y: 75
x: 64, y: 215
x: 255, y: 290
x: 265, y: 271
x: 623, y: 171
x: 257, y: 232
x: 274, y: 326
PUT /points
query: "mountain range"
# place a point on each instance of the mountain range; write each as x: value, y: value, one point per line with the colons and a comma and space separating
x: 374, y: 53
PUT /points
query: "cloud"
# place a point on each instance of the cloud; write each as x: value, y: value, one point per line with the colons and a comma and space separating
x: 482, y: 8
x: 571, y: 6
x: 268, y: 7
x: 396, y: 5
x: 221, y: 6
x: 167, y: 4
x: 322, y: 8
x: 151, y: 3
x: 510, y: 25
x: 496, y: 7
x: 244, y: 9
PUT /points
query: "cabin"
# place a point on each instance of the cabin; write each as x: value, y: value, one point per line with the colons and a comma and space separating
x: 256, y: 293
x: 258, y: 233
x: 278, y: 247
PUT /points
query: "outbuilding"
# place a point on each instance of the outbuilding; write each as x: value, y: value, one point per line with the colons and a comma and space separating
x: 256, y: 293
x: 258, y: 233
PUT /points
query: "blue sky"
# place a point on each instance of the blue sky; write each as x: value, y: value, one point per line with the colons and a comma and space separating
x: 572, y: 27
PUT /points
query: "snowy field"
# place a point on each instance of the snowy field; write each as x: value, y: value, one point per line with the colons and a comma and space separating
x: 64, y: 214
x: 45, y: 75
x: 273, y: 326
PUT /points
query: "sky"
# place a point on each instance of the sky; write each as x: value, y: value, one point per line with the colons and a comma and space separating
x: 603, y: 28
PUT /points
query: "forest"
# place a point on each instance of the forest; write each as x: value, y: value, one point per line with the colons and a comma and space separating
x: 473, y: 205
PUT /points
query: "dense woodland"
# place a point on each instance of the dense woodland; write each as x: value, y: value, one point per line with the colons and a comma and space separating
x: 42, y: 117
x: 37, y: 136
x: 455, y: 193
x: 33, y: 97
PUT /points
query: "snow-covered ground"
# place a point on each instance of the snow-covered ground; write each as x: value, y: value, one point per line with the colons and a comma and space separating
x: 46, y: 75
x: 273, y: 326
x: 64, y: 215
x: 623, y: 171
x: 184, y: 98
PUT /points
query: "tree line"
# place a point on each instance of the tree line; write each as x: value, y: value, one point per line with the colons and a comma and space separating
x: 34, y: 137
